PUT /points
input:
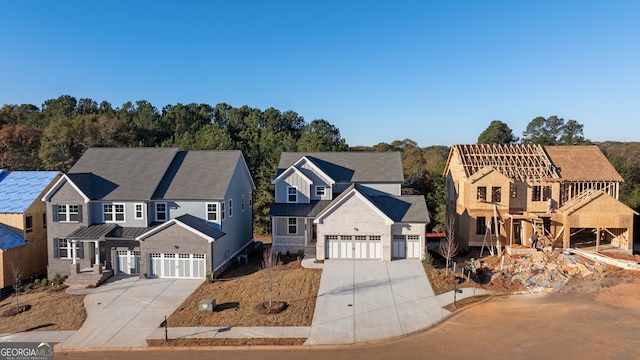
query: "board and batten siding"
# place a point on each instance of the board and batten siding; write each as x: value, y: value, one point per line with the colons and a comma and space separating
x: 304, y: 188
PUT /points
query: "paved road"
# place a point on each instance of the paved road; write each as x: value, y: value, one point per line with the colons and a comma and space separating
x: 555, y: 326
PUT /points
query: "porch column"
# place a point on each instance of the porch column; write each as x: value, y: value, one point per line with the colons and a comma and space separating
x: 74, y: 254
x: 597, y: 239
x: 306, y: 232
x: 97, y: 245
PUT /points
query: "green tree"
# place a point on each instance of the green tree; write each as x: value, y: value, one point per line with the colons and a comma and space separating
x: 19, y: 146
x: 59, y: 146
x: 497, y: 133
x: 64, y: 106
x: 320, y: 135
x: 553, y: 131
x: 571, y: 134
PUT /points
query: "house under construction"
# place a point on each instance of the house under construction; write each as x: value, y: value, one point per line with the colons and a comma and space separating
x: 568, y: 195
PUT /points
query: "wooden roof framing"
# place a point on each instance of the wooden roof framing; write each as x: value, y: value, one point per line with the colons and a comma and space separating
x: 527, y: 163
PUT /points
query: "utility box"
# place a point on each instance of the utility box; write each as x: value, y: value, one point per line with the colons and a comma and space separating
x: 206, y: 305
x: 243, y: 259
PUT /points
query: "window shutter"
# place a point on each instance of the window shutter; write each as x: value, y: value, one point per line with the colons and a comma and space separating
x: 79, y: 213
x: 56, y: 248
x: 54, y: 212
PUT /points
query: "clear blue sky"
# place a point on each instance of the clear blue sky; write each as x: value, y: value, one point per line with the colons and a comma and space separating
x: 437, y: 72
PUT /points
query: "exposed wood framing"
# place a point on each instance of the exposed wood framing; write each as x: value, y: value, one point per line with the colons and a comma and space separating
x: 526, y: 163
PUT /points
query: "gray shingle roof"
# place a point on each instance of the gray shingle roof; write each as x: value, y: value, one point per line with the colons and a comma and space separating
x: 198, y: 175
x: 406, y: 208
x: 121, y: 173
x: 351, y: 166
x: 203, y: 226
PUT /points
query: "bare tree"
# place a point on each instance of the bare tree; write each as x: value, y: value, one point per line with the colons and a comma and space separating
x: 270, y: 266
x: 448, y: 247
x: 17, y: 270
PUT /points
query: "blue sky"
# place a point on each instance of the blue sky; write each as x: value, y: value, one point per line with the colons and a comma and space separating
x: 437, y: 72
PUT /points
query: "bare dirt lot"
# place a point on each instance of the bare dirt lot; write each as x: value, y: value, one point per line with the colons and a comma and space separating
x: 51, y: 309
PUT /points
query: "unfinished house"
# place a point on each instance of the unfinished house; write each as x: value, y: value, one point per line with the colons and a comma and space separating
x: 567, y: 195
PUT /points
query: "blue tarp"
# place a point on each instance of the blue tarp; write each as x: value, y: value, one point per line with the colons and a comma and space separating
x: 9, y: 239
x: 19, y: 189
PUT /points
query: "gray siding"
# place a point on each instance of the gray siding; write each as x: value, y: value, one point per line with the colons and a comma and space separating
x: 304, y: 188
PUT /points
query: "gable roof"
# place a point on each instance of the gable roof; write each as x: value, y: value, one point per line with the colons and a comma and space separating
x: 526, y: 163
x: 121, y: 173
x: 351, y: 166
x: 585, y: 198
x: 200, y: 175
x: 198, y: 226
x: 9, y: 239
x: 406, y: 208
x: 19, y: 189
x: 582, y: 163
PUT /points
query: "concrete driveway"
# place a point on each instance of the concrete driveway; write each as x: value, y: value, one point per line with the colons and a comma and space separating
x: 360, y: 301
x: 125, y: 310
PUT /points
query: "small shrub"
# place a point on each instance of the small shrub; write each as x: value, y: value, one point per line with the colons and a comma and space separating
x: 428, y: 258
x: 21, y: 288
x: 44, y: 282
x: 36, y: 282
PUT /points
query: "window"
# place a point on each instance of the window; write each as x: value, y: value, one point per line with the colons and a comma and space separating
x: 292, y: 194
x: 64, y: 249
x: 513, y: 189
x: 540, y: 193
x: 242, y: 200
x: 482, y: 193
x: 481, y: 225
x: 320, y: 191
x: 28, y: 224
x: 413, y: 237
x: 331, y: 237
x: 345, y: 237
x: 139, y: 211
x: 230, y: 208
x: 361, y: 237
x: 251, y: 199
x: 44, y: 221
x: 375, y: 237
x: 68, y: 213
x: 496, y: 194
x: 212, y: 212
x: 293, y: 226
x: 161, y: 212
x: 113, y: 212
x: 222, y: 210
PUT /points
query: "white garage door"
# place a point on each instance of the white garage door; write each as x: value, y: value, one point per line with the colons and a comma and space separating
x: 406, y: 247
x: 353, y: 246
x: 128, y: 262
x: 181, y: 266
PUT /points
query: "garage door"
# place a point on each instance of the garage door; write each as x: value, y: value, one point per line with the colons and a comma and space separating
x: 180, y: 266
x: 353, y: 246
x: 128, y: 262
x: 406, y: 247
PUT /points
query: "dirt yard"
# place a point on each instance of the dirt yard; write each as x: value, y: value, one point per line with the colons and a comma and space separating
x: 51, y: 309
x: 239, y: 291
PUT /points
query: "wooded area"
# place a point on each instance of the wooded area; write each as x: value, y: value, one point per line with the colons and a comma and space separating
x: 55, y: 135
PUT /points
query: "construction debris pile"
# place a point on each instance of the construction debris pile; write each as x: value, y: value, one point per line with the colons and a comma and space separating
x: 538, y: 271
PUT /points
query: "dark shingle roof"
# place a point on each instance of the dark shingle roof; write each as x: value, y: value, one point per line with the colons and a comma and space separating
x: 201, y: 225
x: 92, y: 232
x: 198, y: 175
x: 353, y: 166
x: 407, y: 208
x: 121, y: 173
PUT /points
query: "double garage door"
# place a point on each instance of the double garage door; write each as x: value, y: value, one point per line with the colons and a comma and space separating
x: 180, y: 266
x: 353, y: 246
x: 405, y: 247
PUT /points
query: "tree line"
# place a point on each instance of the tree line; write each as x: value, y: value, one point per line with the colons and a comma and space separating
x: 54, y: 136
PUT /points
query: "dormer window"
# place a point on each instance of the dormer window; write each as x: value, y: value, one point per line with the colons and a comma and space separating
x: 321, y: 191
x: 292, y: 194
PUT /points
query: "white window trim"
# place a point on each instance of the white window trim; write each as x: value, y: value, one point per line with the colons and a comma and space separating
x: 69, y: 248
x: 324, y: 192
x: 222, y: 211
x: 230, y: 208
x: 242, y: 201
x: 166, y: 211
x: 289, y: 225
x: 216, y: 212
x: 113, y: 213
x: 296, y: 194
x: 135, y: 211
x: 251, y: 199
x: 67, y: 213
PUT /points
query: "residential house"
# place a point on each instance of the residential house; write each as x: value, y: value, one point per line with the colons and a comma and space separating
x: 152, y: 212
x: 346, y: 205
x: 568, y: 195
x: 23, y: 229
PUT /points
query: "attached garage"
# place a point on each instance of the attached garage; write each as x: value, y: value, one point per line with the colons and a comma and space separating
x: 353, y: 246
x: 178, y: 266
x: 128, y: 262
x: 406, y: 247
